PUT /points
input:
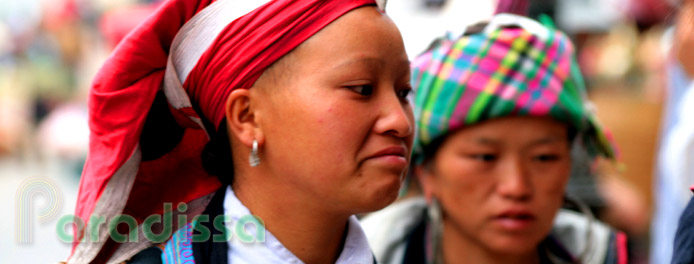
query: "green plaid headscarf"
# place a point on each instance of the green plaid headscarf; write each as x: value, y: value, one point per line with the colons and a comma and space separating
x: 515, y: 66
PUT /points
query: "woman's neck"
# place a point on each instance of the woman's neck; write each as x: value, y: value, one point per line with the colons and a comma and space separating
x: 456, y: 246
x: 311, y: 234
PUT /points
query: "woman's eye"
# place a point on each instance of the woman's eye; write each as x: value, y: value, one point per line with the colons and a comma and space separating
x: 547, y: 158
x: 403, y: 93
x: 484, y: 157
x: 364, y: 90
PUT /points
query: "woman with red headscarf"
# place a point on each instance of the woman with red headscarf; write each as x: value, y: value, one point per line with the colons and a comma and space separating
x: 291, y: 116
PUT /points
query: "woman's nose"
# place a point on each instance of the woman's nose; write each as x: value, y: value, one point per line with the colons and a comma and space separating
x: 515, y: 183
x: 396, y: 117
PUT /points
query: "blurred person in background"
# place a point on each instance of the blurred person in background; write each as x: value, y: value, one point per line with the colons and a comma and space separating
x: 675, y: 171
x: 499, y: 111
x: 293, y: 111
x: 41, y: 47
x: 599, y: 185
x: 614, y: 192
x: 681, y: 156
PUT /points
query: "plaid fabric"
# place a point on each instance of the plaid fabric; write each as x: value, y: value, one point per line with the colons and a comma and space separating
x: 514, y: 67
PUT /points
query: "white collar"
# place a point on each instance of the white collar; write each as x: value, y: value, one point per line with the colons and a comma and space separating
x: 356, y: 248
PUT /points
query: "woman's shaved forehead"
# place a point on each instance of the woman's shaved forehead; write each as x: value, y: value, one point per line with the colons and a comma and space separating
x: 278, y: 73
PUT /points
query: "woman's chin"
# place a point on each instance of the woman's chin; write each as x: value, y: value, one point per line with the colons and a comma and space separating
x: 517, y: 246
x: 378, y: 195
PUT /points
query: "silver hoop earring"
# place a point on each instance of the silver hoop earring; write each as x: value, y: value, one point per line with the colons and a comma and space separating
x: 434, y: 252
x: 254, y: 160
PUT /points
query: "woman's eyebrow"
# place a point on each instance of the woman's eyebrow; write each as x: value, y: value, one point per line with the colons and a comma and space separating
x: 546, y: 140
x: 366, y: 61
x: 487, y: 141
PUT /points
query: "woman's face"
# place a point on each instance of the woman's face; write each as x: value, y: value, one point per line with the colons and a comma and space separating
x: 337, y: 125
x: 501, y: 182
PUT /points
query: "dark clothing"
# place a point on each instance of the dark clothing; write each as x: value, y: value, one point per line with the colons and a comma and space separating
x: 209, y: 251
x: 684, y: 237
x: 205, y: 252
x: 150, y: 255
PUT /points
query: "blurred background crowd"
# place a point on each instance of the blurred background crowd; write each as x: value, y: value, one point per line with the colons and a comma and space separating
x: 50, y: 51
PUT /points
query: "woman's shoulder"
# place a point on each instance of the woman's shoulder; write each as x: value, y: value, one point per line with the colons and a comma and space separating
x: 591, y: 240
x: 387, y: 230
x: 399, y: 216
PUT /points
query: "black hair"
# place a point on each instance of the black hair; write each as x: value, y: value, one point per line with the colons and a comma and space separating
x: 154, y: 145
x: 216, y: 156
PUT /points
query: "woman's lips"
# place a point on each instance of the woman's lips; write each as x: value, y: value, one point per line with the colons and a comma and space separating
x: 395, y: 156
x: 514, y: 220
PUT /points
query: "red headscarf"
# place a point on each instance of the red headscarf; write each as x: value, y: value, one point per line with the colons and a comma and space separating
x: 124, y: 175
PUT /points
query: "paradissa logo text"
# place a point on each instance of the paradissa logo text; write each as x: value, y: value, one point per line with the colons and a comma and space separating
x: 248, y: 228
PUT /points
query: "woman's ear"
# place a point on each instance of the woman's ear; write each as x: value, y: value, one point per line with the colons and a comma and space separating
x: 426, y: 181
x: 242, y: 117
